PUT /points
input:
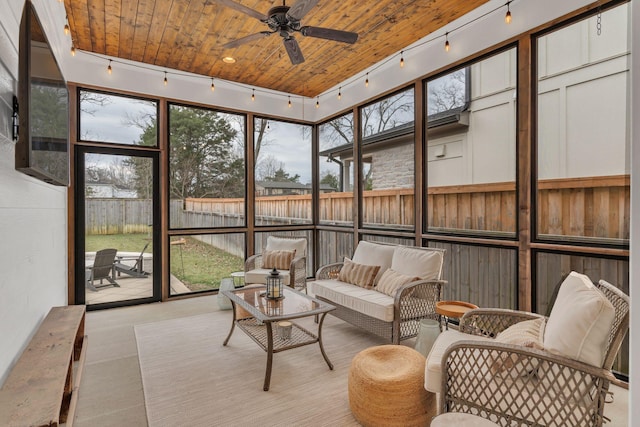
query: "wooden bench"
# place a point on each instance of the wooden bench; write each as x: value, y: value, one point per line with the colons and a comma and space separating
x: 41, y: 389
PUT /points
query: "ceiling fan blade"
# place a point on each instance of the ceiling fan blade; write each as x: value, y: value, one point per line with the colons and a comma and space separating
x: 300, y: 8
x: 295, y: 54
x: 246, y: 39
x: 330, y: 34
x: 241, y: 8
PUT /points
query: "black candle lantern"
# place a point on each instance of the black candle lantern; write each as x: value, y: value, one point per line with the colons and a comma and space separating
x: 274, y: 285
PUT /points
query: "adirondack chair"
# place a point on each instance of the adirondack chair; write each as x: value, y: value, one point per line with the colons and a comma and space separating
x: 102, y: 268
x: 136, y: 269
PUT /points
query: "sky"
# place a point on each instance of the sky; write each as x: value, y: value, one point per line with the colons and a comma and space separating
x: 111, y: 122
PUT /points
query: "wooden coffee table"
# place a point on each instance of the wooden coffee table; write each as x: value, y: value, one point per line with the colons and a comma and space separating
x: 257, y: 316
x: 453, y: 309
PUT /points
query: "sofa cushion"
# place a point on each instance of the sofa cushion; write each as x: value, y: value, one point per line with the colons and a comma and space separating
x: 580, y: 320
x: 391, y: 281
x: 287, y: 244
x: 419, y: 262
x: 280, y: 260
x: 259, y: 275
x: 358, y: 274
x: 433, y: 369
x: 366, y: 301
x: 529, y: 333
x: 374, y: 254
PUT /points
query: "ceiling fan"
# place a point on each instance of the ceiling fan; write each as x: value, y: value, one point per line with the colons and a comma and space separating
x: 285, y: 20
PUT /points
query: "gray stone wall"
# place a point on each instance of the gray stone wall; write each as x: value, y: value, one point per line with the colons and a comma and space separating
x: 393, y: 167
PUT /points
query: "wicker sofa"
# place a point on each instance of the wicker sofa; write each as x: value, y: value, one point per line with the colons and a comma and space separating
x: 559, y: 378
x: 394, y: 317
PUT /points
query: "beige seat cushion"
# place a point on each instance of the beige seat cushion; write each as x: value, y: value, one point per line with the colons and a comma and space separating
x: 374, y: 254
x: 275, y: 243
x: 366, y: 301
x: 423, y: 263
x: 433, y: 369
x: 259, y: 275
x: 580, y: 321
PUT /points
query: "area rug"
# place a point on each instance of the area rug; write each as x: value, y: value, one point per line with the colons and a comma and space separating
x: 191, y: 379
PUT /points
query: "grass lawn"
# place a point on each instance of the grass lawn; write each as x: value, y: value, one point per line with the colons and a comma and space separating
x: 198, y: 265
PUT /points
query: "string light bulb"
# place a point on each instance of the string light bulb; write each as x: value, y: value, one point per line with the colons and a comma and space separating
x: 447, y: 46
x: 253, y: 94
x: 213, y: 86
x: 507, y: 17
x: 340, y: 93
x: 109, y: 69
x: 66, y: 26
x: 166, y: 82
x: 366, y: 82
x: 289, y: 105
x: 317, y: 102
x: 402, y: 59
x: 73, y: 50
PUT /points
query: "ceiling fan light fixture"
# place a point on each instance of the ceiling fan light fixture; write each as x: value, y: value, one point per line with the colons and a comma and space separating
x: 229, y: 60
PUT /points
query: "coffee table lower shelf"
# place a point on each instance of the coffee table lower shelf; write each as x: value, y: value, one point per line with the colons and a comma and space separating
x: 258, y: 332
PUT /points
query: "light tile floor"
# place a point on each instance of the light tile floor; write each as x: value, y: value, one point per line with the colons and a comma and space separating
x: 111, y: 392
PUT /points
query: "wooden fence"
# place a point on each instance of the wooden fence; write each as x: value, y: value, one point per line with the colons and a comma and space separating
x: 595, y: 207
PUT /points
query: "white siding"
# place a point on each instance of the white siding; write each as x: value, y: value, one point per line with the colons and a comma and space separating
x: 33, y: 223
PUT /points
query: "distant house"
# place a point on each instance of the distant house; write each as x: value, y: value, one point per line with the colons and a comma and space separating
x: 287, y: 188
x: 108, y: 191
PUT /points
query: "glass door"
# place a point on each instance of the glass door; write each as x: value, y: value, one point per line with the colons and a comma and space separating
x: 117, y: 227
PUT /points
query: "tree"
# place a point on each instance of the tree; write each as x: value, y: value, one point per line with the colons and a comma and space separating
x: 330, y: 179
x: 202, y: 162
x: 281, y: 176
x: 447, y: 92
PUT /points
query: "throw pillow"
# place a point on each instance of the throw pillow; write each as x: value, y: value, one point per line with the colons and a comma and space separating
x: 529, y: 333
x: 371, y: 253
x: 391, y: 281
x: 358, y: 274
x: 280, y: 260
x: 580, y: 320
x: 425, y: 263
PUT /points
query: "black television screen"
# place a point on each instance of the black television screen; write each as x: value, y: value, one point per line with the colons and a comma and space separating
x: 42, y: 150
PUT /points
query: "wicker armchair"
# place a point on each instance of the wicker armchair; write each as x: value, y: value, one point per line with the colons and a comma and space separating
x: 295, y: 275
x: 556, y: 391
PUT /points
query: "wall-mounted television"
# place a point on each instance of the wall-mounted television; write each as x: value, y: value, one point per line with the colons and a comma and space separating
x: 42, y: 150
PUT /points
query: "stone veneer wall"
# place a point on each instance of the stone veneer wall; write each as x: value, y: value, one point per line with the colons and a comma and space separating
x: 393, y: 167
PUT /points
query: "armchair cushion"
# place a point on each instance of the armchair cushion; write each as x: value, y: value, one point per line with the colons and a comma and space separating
x: 391, y: 281
x: 580, y: 320
x: 529, y: 333
x: 374, y: 254
x: 280, y: 260
x: 433, y: 370
x: 275, y: 243
x: 418, y: 262
x: 358, y: 274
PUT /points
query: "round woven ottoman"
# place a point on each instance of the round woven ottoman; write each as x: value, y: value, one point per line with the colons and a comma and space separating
x: 386, y: 387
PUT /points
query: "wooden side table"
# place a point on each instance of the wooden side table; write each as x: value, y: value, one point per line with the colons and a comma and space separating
x: 453, y: 309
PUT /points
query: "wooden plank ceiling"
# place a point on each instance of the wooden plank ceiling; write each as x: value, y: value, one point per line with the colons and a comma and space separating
x: 189, y: 35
